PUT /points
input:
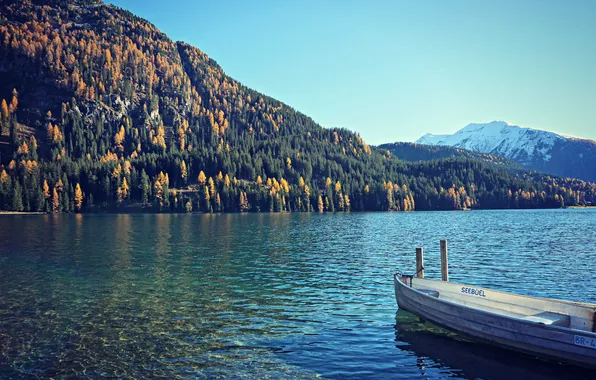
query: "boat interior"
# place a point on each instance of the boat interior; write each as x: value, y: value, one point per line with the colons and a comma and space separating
x: 568, y: 314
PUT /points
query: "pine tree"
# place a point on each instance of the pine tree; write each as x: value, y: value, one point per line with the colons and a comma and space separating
x: 144, y: 186
x: 13, y: 130
x: 17, y: 197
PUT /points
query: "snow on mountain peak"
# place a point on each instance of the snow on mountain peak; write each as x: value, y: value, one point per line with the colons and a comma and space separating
x: 499, y: 137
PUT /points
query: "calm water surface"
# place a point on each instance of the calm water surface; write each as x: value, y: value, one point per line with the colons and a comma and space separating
x: 270, y: 295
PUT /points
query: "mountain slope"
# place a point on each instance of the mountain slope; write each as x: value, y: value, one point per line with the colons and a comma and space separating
x: 534, y: 149
x: 102, y: 111
x: 420, y: 152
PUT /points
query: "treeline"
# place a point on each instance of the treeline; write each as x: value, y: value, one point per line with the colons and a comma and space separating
x: 419, y: 152
x: 101, y: 111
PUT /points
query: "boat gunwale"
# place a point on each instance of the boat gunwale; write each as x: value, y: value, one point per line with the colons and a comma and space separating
x: 506, y: 317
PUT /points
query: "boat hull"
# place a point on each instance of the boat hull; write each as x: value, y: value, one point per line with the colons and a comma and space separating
x: 552, y: 342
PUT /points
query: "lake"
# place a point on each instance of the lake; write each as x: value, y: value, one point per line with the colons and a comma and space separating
x: 270, y: 295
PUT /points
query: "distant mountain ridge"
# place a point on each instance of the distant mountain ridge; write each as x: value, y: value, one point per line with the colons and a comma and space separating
x: 419, y: 152
x: 534, y: 149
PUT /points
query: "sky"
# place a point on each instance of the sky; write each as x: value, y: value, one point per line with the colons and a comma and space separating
x: 395, y: 70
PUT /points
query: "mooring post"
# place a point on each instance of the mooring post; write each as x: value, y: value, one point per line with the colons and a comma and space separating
x: 419, y: 262
x: 444, y: 261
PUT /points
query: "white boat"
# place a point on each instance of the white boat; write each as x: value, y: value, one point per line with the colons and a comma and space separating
x: 564, y: 331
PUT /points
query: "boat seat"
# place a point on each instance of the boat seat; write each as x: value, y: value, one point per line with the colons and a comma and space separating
x: 549, y: 318
x: 430, y: 292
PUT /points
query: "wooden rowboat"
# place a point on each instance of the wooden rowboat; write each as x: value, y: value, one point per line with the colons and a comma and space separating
x: 564, y: 331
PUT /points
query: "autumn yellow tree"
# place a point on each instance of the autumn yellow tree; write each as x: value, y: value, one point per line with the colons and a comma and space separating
x: 306, y: 198
x: 57, y: 135
x: 161, y: 188
x: 243, y: 202
x: 15, y: 101
x: 4, y: 110
x: 183, y: 172
x: 55, y: 201
x: 116, y: 171
x: 207, y: 199
x: 202, y: 178
x: 284, y: 185
x: 127, y: 167
x: 4, y: 113
x: 4, y: 177
x: 159, y: 139
x: 320, y: 204
x: 119, y: 138
x: 23, y: 148
x: 211, y: 187
x: 123, y: 190
x: 50, y: 132
x: 78, y: 197
x: 46, y: 189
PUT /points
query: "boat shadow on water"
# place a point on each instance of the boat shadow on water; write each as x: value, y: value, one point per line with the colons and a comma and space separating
x: 435, y: 347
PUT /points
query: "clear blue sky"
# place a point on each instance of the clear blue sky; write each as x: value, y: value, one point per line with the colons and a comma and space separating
x: 394, y: 70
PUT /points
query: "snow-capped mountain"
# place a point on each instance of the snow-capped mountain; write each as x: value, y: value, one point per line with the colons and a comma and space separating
x: 534, y: 149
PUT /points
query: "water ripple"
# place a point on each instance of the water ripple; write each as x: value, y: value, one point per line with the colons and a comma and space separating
x: 269, y: 295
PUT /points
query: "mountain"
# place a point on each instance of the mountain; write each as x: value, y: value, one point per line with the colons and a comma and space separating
x: 99, y: 110
x: 419, y: 152
x: 534, y: 149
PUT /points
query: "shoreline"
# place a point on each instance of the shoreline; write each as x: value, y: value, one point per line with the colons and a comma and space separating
x: 22, y: 213
x: 149, y: 211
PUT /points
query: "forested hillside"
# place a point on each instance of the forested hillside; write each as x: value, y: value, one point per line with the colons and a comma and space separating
x: 101, y: 111
x: 419, y: 152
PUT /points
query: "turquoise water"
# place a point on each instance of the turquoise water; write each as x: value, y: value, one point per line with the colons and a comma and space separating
x: 270, y: 295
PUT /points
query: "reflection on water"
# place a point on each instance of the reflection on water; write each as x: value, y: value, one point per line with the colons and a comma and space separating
x: 268, y: 295
x: 436, y: 348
